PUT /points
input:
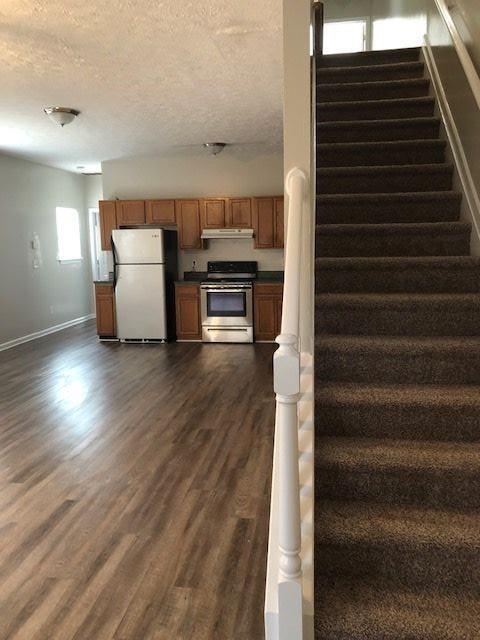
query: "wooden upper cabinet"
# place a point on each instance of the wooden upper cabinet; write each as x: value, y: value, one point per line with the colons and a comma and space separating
x: 268, y: 222
x: 239, y: 213
x: 130, y: 212
x: 187, y: 213
x: 160, y: 212
x: 263, y: 223
x: 214, y: 213
x: 279, y: 223
x: 108, y: 222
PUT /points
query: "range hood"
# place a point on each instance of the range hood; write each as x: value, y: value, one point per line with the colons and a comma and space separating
x: 238, y: 234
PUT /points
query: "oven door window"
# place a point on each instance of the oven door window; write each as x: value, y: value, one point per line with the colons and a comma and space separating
x: 222, y: 304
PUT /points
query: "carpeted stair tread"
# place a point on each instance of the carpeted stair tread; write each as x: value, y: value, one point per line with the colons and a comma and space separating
x: 378, y: 130
x: 423, y: 239
x: 384, y: 455
x: 423, y: 481
x: 398, y: 359
x: 369, y: 57
x: 376, y: 90
x: 350, y: 522
x: 394, y: 108
x: 392, y: 208
x: 369, y: 73
x: 399, y: 547
x: 356, y: 610
x: 385, y: 179
x: 413, y: 314
x: 417, y: 473
x: 421, y: 412
x: 398, y: 152
x: 427, y: 274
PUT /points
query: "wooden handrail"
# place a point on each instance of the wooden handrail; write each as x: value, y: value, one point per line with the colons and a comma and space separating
x: 461, y: 49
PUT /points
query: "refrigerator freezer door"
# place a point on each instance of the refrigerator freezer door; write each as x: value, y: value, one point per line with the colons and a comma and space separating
x: 138, y: 246
x: 140, y: 302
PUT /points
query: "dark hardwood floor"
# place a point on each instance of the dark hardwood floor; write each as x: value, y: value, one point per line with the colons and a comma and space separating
x: 134, y: 489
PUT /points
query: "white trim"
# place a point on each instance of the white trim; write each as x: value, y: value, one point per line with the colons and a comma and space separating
x: 69, y: 260
x: 45, y: 332
x: 459, y: 156
x: 461, y: 49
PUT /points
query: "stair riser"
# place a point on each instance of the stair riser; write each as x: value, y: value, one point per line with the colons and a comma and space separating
x: 383, y: 155
x: 372, y: 111
x: 369, y: 58
x: 426, y: 568
x: 398, y: 366
x: 398, y: 320
x: 355, y: 212
x: 383, y: 182
x: 402, y: 486
x: 402, y: 421
x: 398, y: 281
x: 383, y: 91
x: 409, y: 245
x: 376, y: 133
x: 375, y: 73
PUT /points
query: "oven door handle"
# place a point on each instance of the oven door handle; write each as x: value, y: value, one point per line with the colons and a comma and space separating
x: 225, y: 290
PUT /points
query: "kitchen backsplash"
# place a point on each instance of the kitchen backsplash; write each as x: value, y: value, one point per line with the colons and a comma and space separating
x: 268, y: 259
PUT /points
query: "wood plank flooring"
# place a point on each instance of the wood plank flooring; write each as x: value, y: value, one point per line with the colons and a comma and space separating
x: 134, y: 489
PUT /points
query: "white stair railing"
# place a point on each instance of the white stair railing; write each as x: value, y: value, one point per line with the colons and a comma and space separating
x: 286, y: 363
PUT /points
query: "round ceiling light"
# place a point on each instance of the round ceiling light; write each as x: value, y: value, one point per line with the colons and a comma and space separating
x: 214, y: 147
x: 61, y: 115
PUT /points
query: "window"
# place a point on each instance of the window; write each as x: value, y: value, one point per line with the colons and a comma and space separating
x: 68, y: 234
x: 396, y: 33
x: 346, y: 36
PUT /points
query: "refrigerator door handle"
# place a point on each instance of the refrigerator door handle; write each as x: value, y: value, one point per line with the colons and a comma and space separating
x: 114, y: 263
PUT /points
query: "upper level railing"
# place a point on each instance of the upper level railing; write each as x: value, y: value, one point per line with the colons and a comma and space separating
x: 445, y: 9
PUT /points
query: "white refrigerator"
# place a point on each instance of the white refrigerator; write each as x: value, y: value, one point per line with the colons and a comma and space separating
x: 140, y: 285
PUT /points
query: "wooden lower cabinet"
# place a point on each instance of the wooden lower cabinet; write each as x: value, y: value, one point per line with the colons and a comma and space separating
x: 105, y: 308
x: 267, y: 310
x: 187, y: 308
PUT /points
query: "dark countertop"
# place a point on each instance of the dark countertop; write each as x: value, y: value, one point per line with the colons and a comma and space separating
x: 194, y: 277
x: 104, y: 281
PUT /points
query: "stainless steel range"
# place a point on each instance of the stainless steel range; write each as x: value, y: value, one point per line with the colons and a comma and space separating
x: 227, y: 302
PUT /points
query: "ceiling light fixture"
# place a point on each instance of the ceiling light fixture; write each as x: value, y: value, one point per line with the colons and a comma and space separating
x: 61, y: 115
x: 214, y: 148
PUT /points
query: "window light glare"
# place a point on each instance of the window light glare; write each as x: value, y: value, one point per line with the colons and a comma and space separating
x: 68, y: 234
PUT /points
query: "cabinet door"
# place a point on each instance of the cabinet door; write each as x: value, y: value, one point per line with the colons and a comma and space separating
x: 130, y: 212
x: 265, y: 317
x: 108, y: 222
x: 214, y: 213
x: 160, y: 211
x: 105, y: 307
x: 239, y: 213
x: 187, y: 306
x: 278, y: 223
x: 263, y: 223
x: 188, y: 221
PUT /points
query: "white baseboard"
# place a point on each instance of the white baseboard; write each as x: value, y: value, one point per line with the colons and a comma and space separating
x: 45, y: 332
x: 468, y: 184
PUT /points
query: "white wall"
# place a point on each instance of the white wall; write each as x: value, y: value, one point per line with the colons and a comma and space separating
x: 93, y: 190
x: 466, y: 15
x: 240, y: 171
x: 35, y: 299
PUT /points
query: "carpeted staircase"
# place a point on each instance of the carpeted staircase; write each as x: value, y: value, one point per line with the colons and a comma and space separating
x: 397, y: 363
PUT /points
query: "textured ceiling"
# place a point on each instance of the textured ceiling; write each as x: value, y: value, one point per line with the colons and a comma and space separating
x: 147, y: 76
